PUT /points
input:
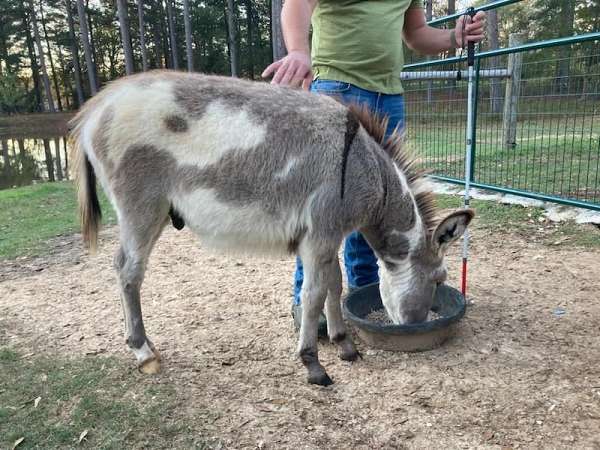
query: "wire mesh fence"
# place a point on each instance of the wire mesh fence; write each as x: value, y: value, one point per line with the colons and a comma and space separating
x: 537, y: 122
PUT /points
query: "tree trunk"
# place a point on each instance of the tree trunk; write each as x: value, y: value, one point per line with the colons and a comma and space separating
x: 164, y: 23
x: 49, y: 162
x: 66, y: 85
x: 451, y: 8
x: 495, y: 88
x: 188, y: 35
x: 51, y: 59
x: 35, y: 71
x: 249, y: 26
x: 428, y: 17
x: 172, y: 35
x: 75, y: 54
x: 90, y: 24
x: 5, y: 159
x: 125, y: 39
x: 157, y: 35
x: 38, y: 42
x: 66, y: 153
x: 257, y: 30
x: 277, y: 41
x: 59, y: 172
x: 428, y: 10
x: 232, y: 34
x: 513, y: 92
x: 566, y: 29
x: 451, y: 25
x: 22, y: 154
x: 140, y: 5
x: 87, y: 51
x: 4, y: 53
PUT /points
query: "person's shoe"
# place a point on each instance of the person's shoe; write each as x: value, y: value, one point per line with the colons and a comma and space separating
x: 297, y: 315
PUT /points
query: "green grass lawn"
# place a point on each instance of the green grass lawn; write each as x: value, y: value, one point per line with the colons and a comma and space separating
x: 91, y: 396
x: 527, y: 222
x: 551, y: 156
x: 31, y: 215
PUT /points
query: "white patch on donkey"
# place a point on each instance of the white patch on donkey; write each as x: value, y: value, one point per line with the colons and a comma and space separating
x: 258, y: 168
x: 226, y: 227
x: 209, y: 140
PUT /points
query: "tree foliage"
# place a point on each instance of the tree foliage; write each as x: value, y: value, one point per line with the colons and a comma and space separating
x: 21, y: 89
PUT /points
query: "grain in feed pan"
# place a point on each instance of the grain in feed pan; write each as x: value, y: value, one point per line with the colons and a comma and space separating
x: 363, y: 308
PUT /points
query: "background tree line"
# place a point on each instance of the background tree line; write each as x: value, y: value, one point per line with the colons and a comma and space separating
x: 56, y: 53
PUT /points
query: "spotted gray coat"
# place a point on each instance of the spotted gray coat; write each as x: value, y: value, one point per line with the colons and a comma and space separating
x: 258, y: 168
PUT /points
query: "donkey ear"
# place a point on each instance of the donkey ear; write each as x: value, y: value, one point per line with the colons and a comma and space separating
x: 450, y: 229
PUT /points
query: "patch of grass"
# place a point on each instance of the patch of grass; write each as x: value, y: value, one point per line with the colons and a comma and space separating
x: 31, y: 215
x: 551, y: 156
x: 8, y: 355
x: 529, y: 222
x: 118, y: 408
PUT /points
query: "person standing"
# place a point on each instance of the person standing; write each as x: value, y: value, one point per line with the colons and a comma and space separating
x: 357, y: 57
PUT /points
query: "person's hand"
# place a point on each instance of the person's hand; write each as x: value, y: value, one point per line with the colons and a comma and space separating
x: 292, y: 70
x: 473, y: 29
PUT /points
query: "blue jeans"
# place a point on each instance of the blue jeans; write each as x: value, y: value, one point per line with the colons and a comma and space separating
x: 360, y: 262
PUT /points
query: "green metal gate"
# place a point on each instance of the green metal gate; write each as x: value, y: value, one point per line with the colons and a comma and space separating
x: 536, y: 115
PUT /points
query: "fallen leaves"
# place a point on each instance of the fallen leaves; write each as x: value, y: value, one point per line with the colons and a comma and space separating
x: 82, y: 436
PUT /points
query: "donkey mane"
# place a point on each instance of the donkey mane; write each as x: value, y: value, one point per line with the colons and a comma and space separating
x: 394, y: 148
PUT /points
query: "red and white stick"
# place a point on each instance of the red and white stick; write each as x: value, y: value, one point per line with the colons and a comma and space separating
x: 470, y: 101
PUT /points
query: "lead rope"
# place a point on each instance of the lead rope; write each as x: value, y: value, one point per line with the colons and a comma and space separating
x: 470, y: 62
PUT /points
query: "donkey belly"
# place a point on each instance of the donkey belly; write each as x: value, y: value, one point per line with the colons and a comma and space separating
x: 236, y: 226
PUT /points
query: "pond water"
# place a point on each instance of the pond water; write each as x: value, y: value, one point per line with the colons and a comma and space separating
x: 26, y: 161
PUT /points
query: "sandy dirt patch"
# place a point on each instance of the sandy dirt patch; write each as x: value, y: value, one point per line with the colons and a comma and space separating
x: 519, y: 373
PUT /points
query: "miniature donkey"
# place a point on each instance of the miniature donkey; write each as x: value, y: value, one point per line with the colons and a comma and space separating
x: 255, y: 167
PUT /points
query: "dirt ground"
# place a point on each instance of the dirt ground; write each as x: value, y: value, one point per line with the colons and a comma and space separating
x: 517, y: 375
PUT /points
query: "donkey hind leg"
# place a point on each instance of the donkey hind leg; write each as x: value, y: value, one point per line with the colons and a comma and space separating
x: 336, y: 329
x: 317, y: 272
x: 130, y: 263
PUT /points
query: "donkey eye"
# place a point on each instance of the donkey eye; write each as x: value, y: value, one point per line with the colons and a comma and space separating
x: 390, y: 265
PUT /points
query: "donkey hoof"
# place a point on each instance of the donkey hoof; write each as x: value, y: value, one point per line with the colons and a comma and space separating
x: 321, y: 379
x: 150, y: 366
x: 348, y: 350
x: 350, y: 355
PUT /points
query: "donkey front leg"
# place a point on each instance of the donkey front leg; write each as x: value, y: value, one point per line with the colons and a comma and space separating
x: 336, y: 329
x: 314, y: 291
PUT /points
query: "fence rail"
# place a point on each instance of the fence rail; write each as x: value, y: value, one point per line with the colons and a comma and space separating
x: 537, y: 128
x: 487, y: 7
x: 449, y: 74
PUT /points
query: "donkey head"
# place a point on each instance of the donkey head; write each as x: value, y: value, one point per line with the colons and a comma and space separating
x: 408, y: 281
x: 408, y: 241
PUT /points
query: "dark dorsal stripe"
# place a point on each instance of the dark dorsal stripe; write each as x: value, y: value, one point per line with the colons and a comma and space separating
x: 352, y: 125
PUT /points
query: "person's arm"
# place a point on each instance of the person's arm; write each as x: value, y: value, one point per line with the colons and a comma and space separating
x: 430, y: 41
x: 295, y: 68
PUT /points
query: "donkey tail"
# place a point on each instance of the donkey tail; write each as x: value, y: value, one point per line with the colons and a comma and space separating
x: 90, y: 215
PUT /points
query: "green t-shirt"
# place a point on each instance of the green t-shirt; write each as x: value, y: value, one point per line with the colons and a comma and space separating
x: 360, y: 42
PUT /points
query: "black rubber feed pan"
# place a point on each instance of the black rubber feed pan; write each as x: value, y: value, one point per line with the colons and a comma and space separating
x: 448, y: 303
